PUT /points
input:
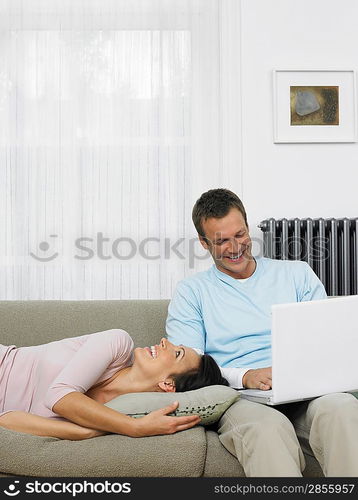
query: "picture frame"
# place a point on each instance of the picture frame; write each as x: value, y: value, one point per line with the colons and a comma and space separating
x: 314, y: 106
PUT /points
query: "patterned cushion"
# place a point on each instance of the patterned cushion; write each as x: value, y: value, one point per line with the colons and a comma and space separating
x: 208, y: 402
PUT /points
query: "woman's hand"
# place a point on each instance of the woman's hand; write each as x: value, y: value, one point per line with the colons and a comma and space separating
x: 158, y: 422
x: 84, y: 411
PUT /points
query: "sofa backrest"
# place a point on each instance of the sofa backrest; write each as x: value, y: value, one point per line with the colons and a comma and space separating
x: 25, y: 323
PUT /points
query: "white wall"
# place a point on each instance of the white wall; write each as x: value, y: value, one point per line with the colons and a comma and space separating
x: 294, y: 180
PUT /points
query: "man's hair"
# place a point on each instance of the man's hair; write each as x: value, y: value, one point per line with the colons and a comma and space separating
x: 215, y: 203
x: 208, y: 373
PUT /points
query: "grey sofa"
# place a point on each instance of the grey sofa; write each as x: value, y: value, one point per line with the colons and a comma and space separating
x: 192, y: 453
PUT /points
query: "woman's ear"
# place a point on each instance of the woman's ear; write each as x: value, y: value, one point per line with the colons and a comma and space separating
x: 167, y: 385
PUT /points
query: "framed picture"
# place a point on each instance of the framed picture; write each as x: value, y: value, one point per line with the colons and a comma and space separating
x: 314, y: 106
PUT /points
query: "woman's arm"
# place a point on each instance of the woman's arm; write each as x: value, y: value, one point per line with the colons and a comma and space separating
x: 89, y: 365
x: 86, y: 412
x: 28, y: 423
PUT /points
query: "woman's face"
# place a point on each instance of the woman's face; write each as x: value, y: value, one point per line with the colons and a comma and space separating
x: 165, y: 360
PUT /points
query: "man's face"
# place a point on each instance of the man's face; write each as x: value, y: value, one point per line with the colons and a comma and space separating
x: 229, y: 244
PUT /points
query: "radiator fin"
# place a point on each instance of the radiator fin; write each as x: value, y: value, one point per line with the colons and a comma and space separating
x: 329, y: 246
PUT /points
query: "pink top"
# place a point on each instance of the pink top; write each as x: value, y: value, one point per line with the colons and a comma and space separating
x: 33, y: 379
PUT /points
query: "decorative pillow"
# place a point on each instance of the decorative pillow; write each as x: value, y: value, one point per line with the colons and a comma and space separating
x: 208, y: 402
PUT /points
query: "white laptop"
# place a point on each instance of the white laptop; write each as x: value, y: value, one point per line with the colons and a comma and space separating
x: 314, y: 350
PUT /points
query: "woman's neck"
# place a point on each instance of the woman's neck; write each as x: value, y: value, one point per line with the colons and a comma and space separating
x: 122, y: 382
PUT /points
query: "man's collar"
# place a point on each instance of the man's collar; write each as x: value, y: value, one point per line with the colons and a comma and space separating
x: 229, y: 279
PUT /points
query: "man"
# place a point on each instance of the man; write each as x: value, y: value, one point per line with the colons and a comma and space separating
x: 225, y: 311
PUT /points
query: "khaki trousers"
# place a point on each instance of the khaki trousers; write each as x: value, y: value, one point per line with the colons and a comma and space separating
x: 268, y: 441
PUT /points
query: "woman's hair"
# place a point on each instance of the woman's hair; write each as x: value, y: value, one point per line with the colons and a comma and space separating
x: 208, y: 373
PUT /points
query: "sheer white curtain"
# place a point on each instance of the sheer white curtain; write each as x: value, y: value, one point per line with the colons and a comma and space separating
x: 114, y: 115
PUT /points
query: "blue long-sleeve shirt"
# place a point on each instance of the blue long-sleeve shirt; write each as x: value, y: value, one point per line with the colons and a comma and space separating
x: 231, y: 318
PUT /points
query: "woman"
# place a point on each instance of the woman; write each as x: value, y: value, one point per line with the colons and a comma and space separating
x: 59, y: 389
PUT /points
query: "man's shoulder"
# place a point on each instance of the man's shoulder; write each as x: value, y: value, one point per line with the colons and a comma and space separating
x: 197, y: 280
x: 284, y: 265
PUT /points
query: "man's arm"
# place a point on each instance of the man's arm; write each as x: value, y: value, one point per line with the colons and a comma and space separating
x: 311, y: 287
x: 235, y: 376
x: 185, y: 323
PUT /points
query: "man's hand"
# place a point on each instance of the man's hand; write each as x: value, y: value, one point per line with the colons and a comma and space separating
x: 258, y: 379
x: 158, y: 422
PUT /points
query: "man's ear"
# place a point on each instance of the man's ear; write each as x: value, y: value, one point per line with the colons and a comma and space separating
x: 203, y: 242
x: 167, y: 385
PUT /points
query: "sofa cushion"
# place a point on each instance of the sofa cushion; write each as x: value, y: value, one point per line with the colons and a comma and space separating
x: 177, y: 455
x: 208, y: 402
x: 33, y: 322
